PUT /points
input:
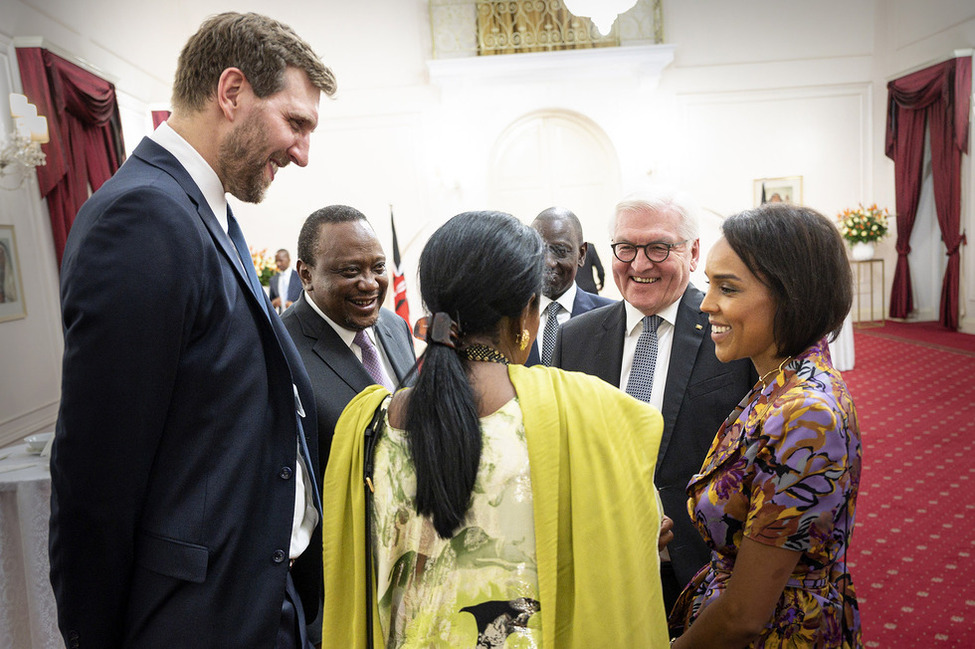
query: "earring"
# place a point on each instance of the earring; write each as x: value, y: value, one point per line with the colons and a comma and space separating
x: 523, y: 338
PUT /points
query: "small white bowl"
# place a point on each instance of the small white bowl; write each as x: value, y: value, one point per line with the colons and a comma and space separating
x: 36, y: 443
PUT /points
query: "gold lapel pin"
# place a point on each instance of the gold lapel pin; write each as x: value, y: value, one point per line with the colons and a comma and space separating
x: 699, y: 327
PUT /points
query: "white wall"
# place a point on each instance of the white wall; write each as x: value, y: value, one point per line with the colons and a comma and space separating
x: 756, y: 89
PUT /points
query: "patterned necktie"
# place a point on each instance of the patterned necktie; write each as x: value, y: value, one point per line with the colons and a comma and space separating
x: 551, y: 331
x: 371, y: 361
x: 237, y: 237
x: 640, y: 383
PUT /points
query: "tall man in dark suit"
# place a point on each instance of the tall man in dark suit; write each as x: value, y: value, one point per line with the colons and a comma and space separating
x: 565, y: 252
x: 346, y: 339
x: 657, y: 345
x: 285, y: 287
x: 183, y: 470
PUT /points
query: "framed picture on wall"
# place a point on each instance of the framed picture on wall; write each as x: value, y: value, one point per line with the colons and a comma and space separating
x: 12, y: 304
x: 772, y: 190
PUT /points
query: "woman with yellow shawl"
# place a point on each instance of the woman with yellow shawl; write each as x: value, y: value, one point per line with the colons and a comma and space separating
x: 513, y: 507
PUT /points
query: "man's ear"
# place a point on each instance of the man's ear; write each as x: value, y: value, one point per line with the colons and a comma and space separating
x: 304, y: 274
x: 583, y: 249
x: 230, y: 88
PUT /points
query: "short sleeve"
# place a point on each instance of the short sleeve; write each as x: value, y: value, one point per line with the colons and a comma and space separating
x: 801, y: 474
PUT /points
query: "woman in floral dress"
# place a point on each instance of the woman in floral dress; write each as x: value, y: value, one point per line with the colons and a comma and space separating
x: 776, y: 495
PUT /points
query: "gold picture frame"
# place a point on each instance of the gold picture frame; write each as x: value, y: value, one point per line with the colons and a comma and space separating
x: 787, y: 189
x: 12, y: 303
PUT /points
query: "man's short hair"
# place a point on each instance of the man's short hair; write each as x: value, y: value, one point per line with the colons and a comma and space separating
x: 562, y: 214
x: 662, y: 200
x: 261, y: 47
x: 311, y: 229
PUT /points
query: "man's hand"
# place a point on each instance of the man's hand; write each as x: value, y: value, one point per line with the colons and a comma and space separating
x: 666, y: 535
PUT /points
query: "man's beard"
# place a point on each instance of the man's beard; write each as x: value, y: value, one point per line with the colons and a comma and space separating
x: 243, y: 162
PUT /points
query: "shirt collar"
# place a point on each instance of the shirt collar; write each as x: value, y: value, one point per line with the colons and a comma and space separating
x: 634, y: 316
x: 347, y: 335
x: 199, y: 170
x: 567, y: 299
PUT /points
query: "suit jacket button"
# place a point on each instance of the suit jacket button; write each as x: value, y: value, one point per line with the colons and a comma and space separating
x: 279, y: 556
x: 286, y: 473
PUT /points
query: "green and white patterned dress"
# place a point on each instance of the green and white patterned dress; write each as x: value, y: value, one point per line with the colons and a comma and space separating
x: 479, y: 588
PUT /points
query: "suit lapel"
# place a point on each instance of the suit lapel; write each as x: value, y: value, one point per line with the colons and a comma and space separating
x: 689, y: 330
x: 401, y: 361
x: 330, y: 348
x: 157, y: 156
x: 608, y: 345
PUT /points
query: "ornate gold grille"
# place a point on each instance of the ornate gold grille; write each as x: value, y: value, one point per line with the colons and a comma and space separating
x: 462, y: 28
x: 535, y: 26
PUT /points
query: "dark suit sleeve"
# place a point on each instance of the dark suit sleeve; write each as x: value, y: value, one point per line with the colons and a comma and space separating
x: 127, y: 290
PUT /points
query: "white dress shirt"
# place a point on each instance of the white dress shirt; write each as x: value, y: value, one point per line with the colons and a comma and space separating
x: 305, y: 515
x: 665, y: 342
x: 566, y: 300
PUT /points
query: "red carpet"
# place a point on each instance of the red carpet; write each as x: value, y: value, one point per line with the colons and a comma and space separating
x: 928, y: 334
x: 912, y: 549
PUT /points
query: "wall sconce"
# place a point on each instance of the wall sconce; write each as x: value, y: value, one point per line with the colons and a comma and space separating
x: 22, y: 151
x: 602, y: 12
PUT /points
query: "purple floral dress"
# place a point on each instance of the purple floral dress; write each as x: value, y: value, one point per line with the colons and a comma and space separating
x: 784, y: 470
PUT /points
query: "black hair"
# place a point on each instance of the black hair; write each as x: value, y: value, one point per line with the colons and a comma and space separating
x: 308, y: 237
x: 799, y: 255
x: 478, y: 268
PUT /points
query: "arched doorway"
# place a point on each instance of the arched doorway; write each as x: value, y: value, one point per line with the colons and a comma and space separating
x: 558, y: 157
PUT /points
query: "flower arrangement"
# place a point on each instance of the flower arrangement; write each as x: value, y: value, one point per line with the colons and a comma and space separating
x: 264, y: 265
x: 863, y: 224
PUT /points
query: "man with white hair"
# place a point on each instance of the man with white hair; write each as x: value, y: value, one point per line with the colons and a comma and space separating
x: 656, y: 345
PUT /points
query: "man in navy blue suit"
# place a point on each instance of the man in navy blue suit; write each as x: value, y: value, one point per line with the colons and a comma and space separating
x: 285, y: 285
x: 565, y: 253
x: 183, y: 469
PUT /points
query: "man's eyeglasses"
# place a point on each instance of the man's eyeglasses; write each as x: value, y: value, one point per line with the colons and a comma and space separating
x: 656, y: 252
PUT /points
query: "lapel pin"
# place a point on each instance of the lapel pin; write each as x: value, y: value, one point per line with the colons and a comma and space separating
x: 699, y: 327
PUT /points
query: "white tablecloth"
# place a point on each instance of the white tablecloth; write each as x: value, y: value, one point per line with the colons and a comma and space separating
x: 28, y: 614
x: 841, y: 349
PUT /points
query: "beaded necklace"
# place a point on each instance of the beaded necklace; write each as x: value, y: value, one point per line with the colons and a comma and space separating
x: 483, y: 353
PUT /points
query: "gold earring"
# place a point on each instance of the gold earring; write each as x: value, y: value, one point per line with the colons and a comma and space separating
x: 523, y: 338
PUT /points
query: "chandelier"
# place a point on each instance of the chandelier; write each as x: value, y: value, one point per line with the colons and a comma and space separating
x: 21, y: 152
x: 602, y: 12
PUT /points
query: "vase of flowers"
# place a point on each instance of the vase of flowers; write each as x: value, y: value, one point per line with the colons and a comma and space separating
x: 862, y: 227
x: 264, y: 265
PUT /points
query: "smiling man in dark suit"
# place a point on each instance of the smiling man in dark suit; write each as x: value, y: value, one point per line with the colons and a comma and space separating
x: 183, y: 468
x: 656, y: 344
x: 565, y: 252
x: 346, y: 339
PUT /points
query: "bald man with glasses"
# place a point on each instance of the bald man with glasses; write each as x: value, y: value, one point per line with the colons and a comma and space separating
x: 562, y: 298
x: 656, y: 345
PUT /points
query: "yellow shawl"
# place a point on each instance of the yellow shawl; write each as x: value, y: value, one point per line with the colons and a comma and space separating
x: 592, y: 450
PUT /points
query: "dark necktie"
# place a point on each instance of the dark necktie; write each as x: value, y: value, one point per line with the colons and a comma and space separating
x: 551, y: 332
x: 243, y: 252
x: 371, y: 360
x: 640, y: 383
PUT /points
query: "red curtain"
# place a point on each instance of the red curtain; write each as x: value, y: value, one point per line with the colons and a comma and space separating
x: 159, y: 116
x: 86, y: 145
x: 937, y: 96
